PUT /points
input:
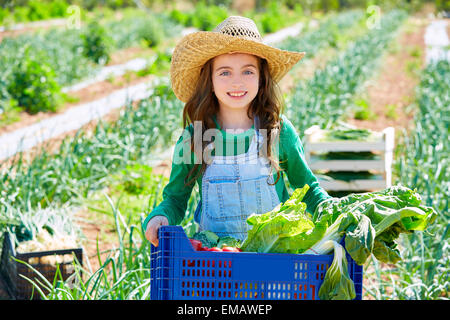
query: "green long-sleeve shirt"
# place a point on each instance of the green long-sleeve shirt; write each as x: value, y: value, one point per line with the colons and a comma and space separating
x: 291, y: 159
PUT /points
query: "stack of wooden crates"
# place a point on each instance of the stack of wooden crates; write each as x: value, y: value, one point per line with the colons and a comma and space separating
x: 380, y: 144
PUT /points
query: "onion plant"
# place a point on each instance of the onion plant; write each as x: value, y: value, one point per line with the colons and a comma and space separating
x: 422, y: 160
x: 124, y: 274
x: 82, y: 163
x: 327, y: 97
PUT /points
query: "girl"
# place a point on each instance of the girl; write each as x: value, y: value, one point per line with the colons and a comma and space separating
x: 236, y: 144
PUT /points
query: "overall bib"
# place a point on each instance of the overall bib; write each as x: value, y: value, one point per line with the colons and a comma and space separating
x: 233, y: 187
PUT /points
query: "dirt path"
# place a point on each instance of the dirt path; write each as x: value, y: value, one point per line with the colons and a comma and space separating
x: 94, y: 231
x: 393, y: 89
x: 32, y: 27
x: 92, y: 92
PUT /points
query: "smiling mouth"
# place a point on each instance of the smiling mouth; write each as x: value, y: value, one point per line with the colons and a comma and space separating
x: 237, y: 94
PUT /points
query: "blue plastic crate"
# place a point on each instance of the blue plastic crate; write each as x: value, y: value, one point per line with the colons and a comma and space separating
x: 178, y: 272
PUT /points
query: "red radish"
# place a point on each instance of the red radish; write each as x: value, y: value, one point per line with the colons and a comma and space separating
x: 216, y: 249
x: 230, y: 249
x: 197, y: 244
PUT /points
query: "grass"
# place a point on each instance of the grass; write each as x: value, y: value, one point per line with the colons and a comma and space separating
x: 391, y: 111
x: 420, y: 162
x: 363, y: 111
x: 132, y: 190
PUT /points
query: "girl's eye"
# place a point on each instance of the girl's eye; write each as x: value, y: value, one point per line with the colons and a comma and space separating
x: 248, y: 72
x: 224, y: 73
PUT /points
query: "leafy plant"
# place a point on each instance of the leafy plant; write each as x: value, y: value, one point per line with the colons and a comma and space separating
x: 337, y: 285
x: 363, y: 110
x: 159, y: 64
x: 391, y: 111
x: 37, y: 11
x: 286, y: 228
x: 272, y: 20
x: 179, y: 16
x: 421, y: 159
x: 97, y: 45
x: 370, y: 222
x: 124, y: 274
x: 151, y: 33
x: 390, y: 212
x: 33, y: 84
x: 206, y: 17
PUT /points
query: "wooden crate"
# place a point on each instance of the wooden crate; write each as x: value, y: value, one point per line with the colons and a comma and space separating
x: 380, y: 144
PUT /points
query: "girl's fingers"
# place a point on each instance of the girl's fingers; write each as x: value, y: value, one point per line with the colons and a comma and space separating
x: 154, y: 236
x: 152, y: 229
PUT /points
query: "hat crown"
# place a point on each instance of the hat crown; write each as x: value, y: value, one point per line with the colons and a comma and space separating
x: 240, y: 27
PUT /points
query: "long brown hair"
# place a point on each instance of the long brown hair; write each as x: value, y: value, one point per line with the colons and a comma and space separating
x: 203, y: 105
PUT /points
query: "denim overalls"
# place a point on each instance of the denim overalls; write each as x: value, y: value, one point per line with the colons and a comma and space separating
x: 233, y: 187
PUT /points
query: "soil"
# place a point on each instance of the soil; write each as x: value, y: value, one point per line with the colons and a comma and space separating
x: 395, y: 85
x: 91, y: 93
x: 94, y: 231
x: 30, y: 28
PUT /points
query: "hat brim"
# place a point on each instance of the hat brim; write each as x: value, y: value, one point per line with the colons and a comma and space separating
x: 195, y: 49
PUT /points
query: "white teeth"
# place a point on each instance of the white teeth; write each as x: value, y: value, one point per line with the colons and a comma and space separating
x: 236, y: 94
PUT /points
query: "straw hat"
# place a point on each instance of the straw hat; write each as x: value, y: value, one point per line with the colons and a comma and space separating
x: 234, y: 34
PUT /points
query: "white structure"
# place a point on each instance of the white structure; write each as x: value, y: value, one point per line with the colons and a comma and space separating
x: 380, y: 143
x: 437, y: 42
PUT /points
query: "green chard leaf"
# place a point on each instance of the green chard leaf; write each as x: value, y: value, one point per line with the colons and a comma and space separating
x: 386, y: 251
x: 359, y: 239
x: 383, y: 215
x: 337, y: 285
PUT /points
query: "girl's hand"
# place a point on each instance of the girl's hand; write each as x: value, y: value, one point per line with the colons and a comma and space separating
x: 152, y: 228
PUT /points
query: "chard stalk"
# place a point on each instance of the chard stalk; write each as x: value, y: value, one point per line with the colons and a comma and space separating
x: 325, y: 245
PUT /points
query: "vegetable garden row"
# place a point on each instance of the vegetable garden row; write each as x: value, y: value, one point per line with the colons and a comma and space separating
x: 107, y: 170
x: 32, y: 75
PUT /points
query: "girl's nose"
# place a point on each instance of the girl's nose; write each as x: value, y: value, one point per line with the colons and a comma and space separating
x: 237, y: 82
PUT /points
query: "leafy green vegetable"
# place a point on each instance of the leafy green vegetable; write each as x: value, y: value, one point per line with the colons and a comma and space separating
x: 229, y: 242
x: 348, y: 134
x: 378, y: 219
x: 287, y: 228
x: 208, y: 238
x: 370, y: 222
x: 359, y: 239
x: 337, y: 285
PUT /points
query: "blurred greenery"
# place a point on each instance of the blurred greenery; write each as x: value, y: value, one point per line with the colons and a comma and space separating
x: 33, y: 84
x: 97, y: 45
x: 14, y: 11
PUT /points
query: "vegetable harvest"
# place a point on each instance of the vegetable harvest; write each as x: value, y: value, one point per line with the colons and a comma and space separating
x: 373, y: 221
x: 370, y: 222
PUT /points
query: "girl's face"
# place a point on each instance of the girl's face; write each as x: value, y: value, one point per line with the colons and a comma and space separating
x: 235, y: 79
